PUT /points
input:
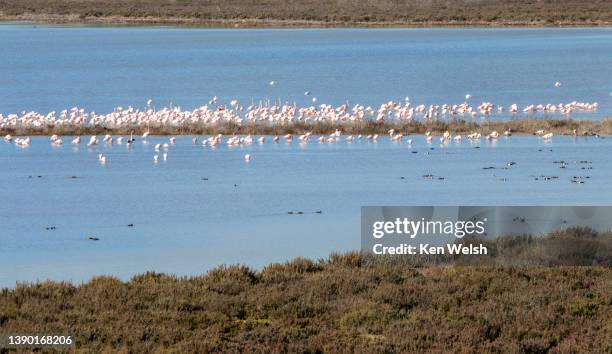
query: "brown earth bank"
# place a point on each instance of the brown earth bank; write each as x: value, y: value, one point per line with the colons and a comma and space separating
x: 346, y: 303
x: 314, y: 13
x: 519, y: 126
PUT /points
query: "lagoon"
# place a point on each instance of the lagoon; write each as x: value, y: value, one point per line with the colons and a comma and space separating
x: 204, y: 207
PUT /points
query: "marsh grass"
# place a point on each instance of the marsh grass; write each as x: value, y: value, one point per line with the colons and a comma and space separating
x: 519, y: 126
x: 345, y: 303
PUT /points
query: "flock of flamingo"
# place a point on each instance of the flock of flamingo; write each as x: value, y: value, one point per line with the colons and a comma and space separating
x: 274, y: 114
x: 234, y: 140
x: 271, y: 114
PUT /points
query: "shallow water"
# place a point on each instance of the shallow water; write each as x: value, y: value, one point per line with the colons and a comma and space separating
x: 186, y: 225
x: 51, y: 68
x: 204, y: 207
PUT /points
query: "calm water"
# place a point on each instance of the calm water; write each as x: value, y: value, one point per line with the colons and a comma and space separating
x: 184, y: 224
x: 204, y: 207
x: 51, y: 68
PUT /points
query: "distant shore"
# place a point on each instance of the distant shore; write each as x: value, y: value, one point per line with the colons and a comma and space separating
x: 312, y: 13
x: 54, y: 19
x: 437, y: 127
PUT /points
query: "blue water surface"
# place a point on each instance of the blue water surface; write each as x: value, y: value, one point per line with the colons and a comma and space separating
x: 99, y: 68
x: 204, y: 207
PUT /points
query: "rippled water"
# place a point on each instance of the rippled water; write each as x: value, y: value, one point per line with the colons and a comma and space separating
x: 204, y: 206
x: 51, y: 68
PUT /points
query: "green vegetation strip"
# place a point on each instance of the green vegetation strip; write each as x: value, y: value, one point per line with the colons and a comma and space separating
x: 347, y: 303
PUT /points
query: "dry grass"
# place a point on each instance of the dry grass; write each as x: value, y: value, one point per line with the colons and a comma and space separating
x: 521, y: 126
x: 315, y: 12
x: 343, y: 304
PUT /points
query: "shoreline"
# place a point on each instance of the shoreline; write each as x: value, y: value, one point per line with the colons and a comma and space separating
x: 576, y: 246
x: 345, y: 301
x: 193, y: 22
x: 601, y: 127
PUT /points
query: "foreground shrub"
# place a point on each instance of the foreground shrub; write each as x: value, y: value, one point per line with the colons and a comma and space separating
x: 350, y: 302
